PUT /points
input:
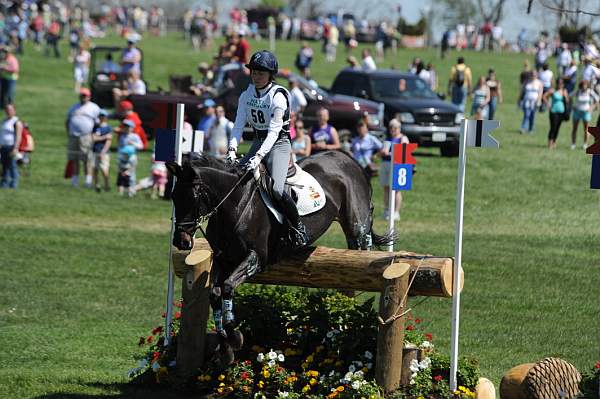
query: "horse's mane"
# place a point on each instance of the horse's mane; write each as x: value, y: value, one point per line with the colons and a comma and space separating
x: 194, y: 160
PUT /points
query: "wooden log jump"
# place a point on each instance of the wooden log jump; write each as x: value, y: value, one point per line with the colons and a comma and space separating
x: 320, y: 267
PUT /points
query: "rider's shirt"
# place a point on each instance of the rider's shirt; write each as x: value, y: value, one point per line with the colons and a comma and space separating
x: 257, y: 109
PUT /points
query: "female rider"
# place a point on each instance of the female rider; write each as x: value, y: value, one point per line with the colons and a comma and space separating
x: 265, y: 107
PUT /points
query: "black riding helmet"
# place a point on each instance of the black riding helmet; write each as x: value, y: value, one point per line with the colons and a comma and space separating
x: 264, y: 61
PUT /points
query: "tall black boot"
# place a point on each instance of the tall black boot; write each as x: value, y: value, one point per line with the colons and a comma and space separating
x: 298, y: 234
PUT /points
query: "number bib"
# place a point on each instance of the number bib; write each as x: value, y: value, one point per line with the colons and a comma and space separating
x: 259, y: 110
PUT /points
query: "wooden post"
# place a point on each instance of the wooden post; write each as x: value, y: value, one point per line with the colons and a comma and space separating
x: 191, y: 343
x: 408, y: 355
x: 390, y: 339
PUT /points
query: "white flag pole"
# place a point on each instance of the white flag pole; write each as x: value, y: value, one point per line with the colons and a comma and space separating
x: 391, y: 199
x: 456, y: 283
x: 171, y: 278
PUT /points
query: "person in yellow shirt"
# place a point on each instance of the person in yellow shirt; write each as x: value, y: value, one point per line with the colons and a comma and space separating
x: 459, y: 85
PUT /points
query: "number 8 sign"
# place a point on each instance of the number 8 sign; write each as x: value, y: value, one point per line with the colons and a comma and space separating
x: 403, y: 163
x: 402, y: 177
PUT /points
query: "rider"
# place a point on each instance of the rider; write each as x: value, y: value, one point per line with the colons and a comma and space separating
x: 265, y: 107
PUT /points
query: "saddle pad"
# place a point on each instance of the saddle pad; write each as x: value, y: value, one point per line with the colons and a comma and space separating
x: 310, y: 194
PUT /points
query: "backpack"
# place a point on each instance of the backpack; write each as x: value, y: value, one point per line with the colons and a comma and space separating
x: 459, y: 77
x: 27, y: 143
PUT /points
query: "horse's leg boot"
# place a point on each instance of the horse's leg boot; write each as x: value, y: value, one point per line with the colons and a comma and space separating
x: 298, y: 236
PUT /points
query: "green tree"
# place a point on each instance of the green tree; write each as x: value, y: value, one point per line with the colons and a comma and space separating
x: 278, y: 4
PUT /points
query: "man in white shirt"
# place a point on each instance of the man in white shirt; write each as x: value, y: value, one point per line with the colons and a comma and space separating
x: 546, y: 77
x: 297, y: 100
x: 80, y: 122
x: 368, y: 63
x: 564, y: 59
x: 135, y: 85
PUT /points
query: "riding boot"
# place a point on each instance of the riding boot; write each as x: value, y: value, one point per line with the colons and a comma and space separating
x: 298, y: 234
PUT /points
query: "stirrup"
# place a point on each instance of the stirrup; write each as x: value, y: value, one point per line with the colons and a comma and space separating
x: 298, y: 236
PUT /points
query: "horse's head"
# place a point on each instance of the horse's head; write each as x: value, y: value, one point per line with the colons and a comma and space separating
x: 191, y: 203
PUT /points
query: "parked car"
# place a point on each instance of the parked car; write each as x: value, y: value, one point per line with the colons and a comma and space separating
x: 426, y: 118
x: 231, y: 79
x: 105, y: 74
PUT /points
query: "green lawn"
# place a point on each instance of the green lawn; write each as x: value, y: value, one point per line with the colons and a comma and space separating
x: 83, y: 274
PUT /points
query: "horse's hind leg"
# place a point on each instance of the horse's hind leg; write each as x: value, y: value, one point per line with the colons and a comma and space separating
x: 249, y: 266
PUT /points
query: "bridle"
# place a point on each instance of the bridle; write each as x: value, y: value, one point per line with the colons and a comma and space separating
x: 191, y: 226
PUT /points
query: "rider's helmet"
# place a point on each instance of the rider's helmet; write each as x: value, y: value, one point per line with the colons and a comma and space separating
x: 264, y: 61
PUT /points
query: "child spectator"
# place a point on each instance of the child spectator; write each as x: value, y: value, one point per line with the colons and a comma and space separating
x: 129, y: 144
x: 125, y: 110
x: 364, y: 147
x: 101, y: 138
x: 159, y: 179
x: 395, y: 137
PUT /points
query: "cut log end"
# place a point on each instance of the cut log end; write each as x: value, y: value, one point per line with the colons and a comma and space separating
x: 197, y: 256
x: 447, y: 278
x: 396, y: 270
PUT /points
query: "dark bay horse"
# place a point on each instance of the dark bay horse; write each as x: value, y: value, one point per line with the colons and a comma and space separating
x: 244, y: 236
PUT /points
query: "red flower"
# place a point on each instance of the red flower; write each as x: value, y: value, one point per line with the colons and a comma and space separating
x: 410, y: 327
x: 149, y: 339
x: 177, y: 315
x: 155, y: 355
x: 248, y: 362
x: 178, y: 304
x: 429, y: 337
x: 157, y: 330
x: 597, y: 366
x: 438, y: 378
x: 142, y: 341
x: 417, y: 321
x: 245, y: 375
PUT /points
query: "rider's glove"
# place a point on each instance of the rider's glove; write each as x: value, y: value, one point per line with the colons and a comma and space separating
x: 231, y: 157
x: 253, y: 162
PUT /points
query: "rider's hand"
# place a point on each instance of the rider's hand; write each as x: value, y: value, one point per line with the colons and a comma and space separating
x: 231, y: 157
x: 253, y: 162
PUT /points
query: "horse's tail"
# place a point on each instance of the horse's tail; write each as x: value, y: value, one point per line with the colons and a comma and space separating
x: 383, y: 240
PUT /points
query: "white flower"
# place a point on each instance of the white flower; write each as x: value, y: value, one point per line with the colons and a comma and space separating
x: 272, y: 355
x: 356, y: 385
x: 426, y: 345
x: 260, y: 357
x: 412, y: 382
x: 359, y: 374
x: 271, y: 363
x: 358, y: 364
x: 347, y: 377
x: 351, y: 368
x: 281, y: 358
x: 155, y: 367
x: 414, y: 365
x: 368, y: 355
x: 283, y: 394
x: 331, y: 373
x: 425, y: 363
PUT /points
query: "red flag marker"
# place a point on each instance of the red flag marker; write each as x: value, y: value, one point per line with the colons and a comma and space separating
x: 164, y: 116
x: 594, y: 148
x: 403, y: 153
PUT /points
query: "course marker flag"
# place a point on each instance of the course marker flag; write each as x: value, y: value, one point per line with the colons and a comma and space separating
x: 401, y: 175
x: 164, y: 149
x: 473, y: 133
x: 403, y: 153
x: 478, y: 133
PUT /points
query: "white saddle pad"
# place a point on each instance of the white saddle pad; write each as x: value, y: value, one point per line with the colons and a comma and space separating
x: 310, y: 194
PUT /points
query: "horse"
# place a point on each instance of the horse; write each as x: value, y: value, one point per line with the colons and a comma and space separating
x: 245, y: 237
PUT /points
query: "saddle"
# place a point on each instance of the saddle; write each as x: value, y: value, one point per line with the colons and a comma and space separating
x: 306, y: 191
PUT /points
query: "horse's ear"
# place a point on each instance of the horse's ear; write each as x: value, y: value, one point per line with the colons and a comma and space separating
x: 174, y: 168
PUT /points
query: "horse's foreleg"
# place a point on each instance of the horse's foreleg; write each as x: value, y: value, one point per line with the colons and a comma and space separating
x: 246, y: 269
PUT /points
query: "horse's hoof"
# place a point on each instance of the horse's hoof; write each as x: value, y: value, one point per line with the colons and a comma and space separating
x: 235, y: 339
x: 225, y: 356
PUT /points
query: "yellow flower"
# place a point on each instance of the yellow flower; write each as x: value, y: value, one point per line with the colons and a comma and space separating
x: 313, y: 381
x: 261, y: 384
x: 312, y: 373
x: 310, y: 359
x: 306, y: 388
x: 340, y: 389
x: 420, y: 397
x: 304, y: 365
x: 266, y: 373
x: 220, y: 390
x: 222, y: 384
x: 221, y: 377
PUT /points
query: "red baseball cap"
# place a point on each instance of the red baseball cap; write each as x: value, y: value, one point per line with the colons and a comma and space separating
x: 85, y: 92
x: 125, y: 105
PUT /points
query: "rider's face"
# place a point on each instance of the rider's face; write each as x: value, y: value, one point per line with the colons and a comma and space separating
x: 259, y: 78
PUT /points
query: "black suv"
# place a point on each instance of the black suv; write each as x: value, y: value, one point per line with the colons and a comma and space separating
x: 426, y: 118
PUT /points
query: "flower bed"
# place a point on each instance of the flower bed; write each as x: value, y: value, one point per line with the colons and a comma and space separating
x: 308, y: 344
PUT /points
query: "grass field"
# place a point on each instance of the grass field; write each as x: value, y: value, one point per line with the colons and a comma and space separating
x: 83, y: 274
